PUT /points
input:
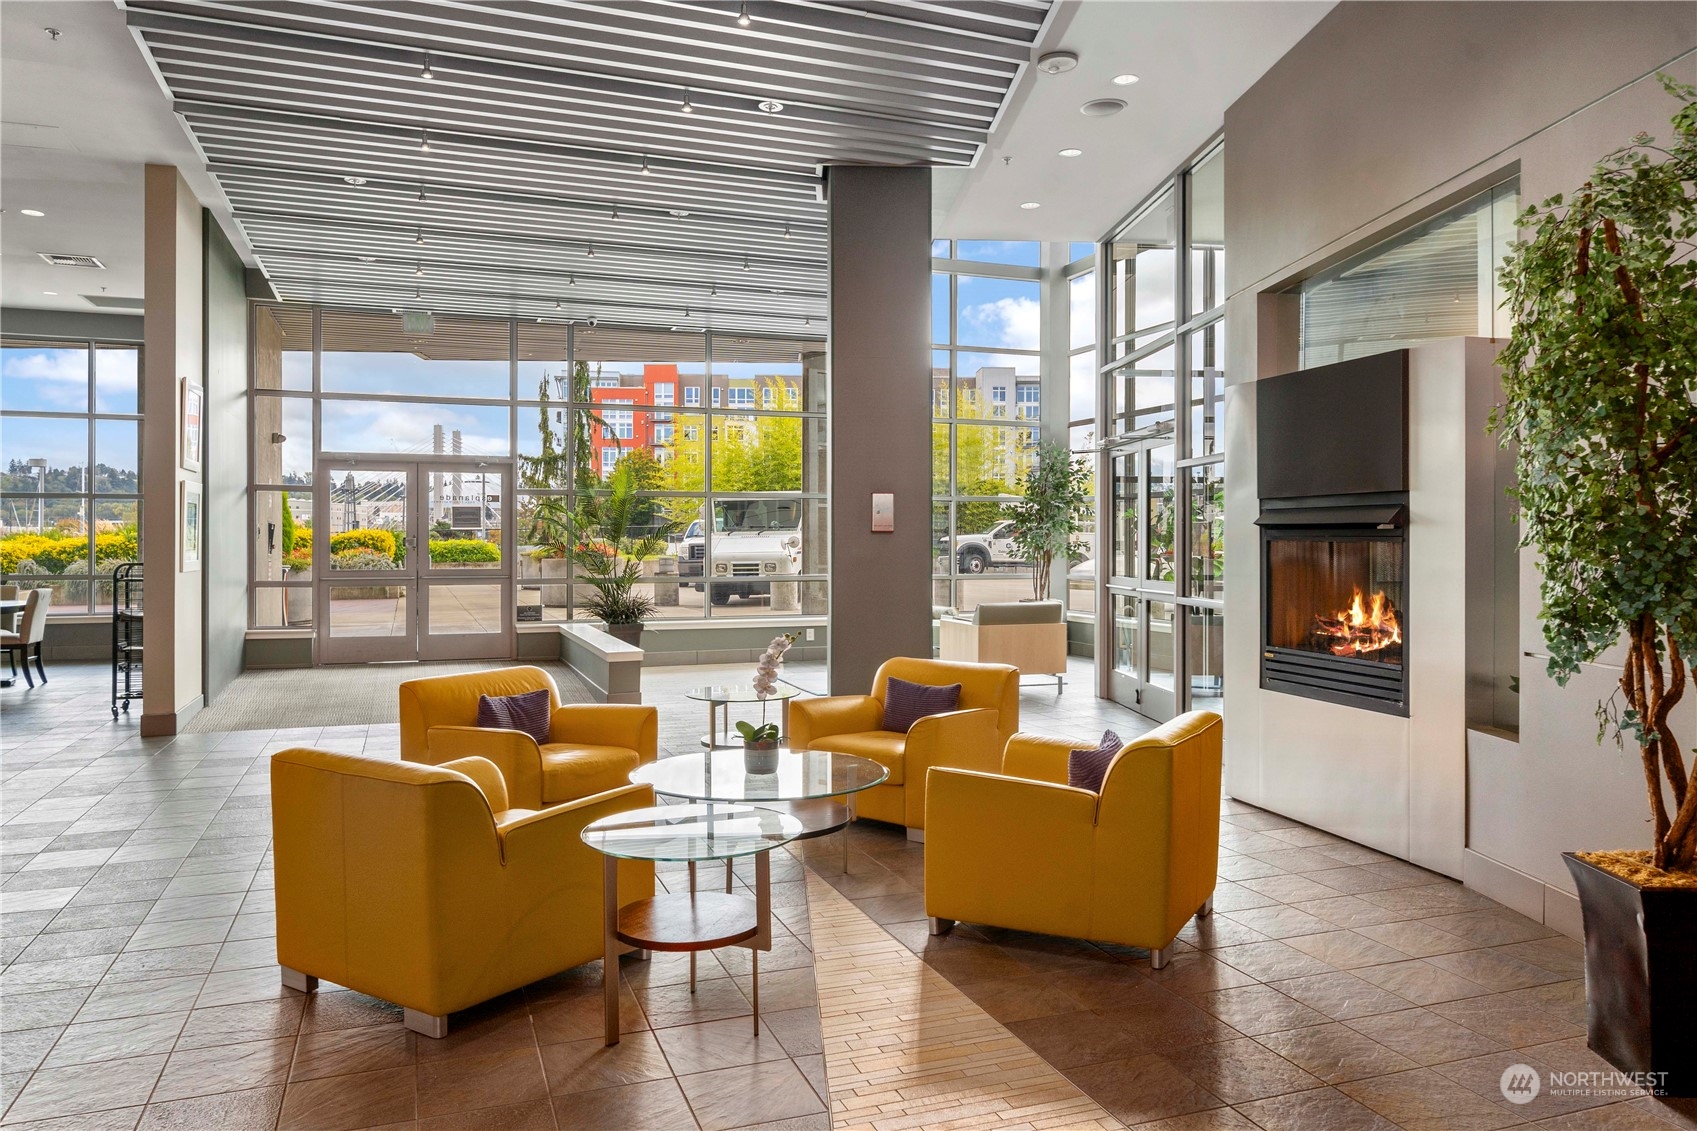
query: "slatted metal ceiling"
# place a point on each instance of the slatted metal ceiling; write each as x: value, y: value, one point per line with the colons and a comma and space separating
x: 561, y: 165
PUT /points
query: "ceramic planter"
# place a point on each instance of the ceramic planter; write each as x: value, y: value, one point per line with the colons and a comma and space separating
x: 629, y: 633
x: 760, y: 757
x: 1640, y: 981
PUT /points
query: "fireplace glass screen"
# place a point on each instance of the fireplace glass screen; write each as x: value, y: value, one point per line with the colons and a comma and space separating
x: 1338, y: 597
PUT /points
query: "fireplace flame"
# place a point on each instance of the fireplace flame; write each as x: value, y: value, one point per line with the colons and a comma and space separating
x: 1360, y: 630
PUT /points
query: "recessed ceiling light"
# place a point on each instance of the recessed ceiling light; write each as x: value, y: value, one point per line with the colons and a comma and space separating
x: 1101, y: 107
x: 354, y: 180
x: 1124, y: 80
x: 770, y: 106
x: 1072, y: 153
x: 1030, y: 204
x: 36, y: 212
x: 54, y: 293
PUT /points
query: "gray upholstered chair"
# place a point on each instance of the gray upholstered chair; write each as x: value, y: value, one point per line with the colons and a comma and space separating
x: 27, y: 639
x: 1030, y: 635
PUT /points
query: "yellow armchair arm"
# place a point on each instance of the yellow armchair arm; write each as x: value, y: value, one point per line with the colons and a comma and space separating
x: 1008, y: 851
x: 812, y: 719
x: 488, y: 777
x: 513, y: 751
x: 961, y: 739
x: 629, y: 725
x: 1037, y: 758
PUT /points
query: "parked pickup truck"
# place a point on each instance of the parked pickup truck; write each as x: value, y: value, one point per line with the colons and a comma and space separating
x: 752, y: 538
x: 978, y: 552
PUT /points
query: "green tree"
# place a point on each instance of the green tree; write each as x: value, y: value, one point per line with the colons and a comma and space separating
x: 1600, y: 401
x: 1046, y: 518
x: 288, y: 527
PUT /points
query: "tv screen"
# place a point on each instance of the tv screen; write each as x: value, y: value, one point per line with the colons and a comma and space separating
x: 1338, y: 429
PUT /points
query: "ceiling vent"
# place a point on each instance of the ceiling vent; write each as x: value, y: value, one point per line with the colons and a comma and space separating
x: 58, y: 260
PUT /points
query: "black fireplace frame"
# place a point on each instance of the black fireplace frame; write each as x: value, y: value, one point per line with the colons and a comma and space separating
x: 1345, y: 680
x: 1320, y: 479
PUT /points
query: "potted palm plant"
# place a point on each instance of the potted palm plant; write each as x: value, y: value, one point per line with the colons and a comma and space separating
x: 607, y: 537
x: 1600, y: 384
x: 1046, y: 521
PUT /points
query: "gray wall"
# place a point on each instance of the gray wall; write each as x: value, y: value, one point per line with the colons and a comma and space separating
x: 226, y: 460
x: 1384, y: 114
x: 880, y: 301
x: 71, y: 324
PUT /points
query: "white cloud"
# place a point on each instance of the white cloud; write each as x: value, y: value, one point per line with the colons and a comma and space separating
x: 1008, y: 323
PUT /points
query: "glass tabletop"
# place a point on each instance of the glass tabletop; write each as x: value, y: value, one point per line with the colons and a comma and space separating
x: 721, y: 776
x: 739, y: 693
x: 691, y: 832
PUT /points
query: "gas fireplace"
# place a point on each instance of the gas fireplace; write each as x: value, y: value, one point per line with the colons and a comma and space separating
x: 1335, y: 626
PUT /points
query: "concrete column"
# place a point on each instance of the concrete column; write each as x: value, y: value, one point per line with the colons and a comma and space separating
x: 879, y: 233
x: 173, y: 656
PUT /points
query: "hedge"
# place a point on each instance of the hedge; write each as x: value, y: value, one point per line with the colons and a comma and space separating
x: 56, y: 555
x: 381, y: 541
x: 450, y: 550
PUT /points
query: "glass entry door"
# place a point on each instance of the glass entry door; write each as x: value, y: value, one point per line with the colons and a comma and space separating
x: 1142, y: 584
x: 414, y: 562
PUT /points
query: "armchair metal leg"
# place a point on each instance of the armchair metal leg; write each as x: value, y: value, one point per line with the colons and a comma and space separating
x: 295, y: 980
x: 1159, y: 958
x: 1206, y: 909
x: 425, y: 1024
x: 941, y: 926
x: 916, y: 835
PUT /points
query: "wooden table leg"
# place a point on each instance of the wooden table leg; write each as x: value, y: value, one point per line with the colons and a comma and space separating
x: 610, y: 955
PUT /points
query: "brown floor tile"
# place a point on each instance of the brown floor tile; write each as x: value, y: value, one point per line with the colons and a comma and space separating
x: 254, y: 1110
x: 1513, y: 1025
x: 713, y: 1000
x: 498, y: 1026
x: 342, y: 1103
x: 1417, y: 938
x: 1494, y: 970
x: 1323, y: 1109
x: 234, y: 987
x: 225, y: 1068
x: 1421, y: 982
x: 1195, y: 972
x: 1142, y: 1088
x: 1341, y: 995
x: 344, y: 1009
x: 1423, y: 1100
x: 1336, y: 1053
x: 89, y: 1041
x: 654, y: 1105
x: 1240, y: 1070
x: 1492, y: 928
x: 1023, y: 998
x: 1346, y: 950
x: 717, y: 1044
x: 1620, y: 1116
x: 1270, y: 961
x: 538, y: 1115
x: 796, y: 1029
x: 782, y: 989
x: 117, y: 1119
x: 467, y: 1083
x: 1276, y: 922
x: 337, y: 1052
x: 86, y: 1087
x: 1424, y: 1037
x: 749, y: 1094
x: 1257, y: 1009
x: 250, y: 1021
x: 584, y: 1014
x: 580, y: 1066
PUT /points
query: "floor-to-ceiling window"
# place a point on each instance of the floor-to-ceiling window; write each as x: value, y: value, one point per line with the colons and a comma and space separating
x: 1162, y: 393
x: 506, y: 424
x: 1079, y: 280
x: 70, y: 467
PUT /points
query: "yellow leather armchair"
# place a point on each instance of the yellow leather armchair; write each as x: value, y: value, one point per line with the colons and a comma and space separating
x: 591, y: 747
x: 1024, y: 850
x: 424, y: 886
x: 971, y: 737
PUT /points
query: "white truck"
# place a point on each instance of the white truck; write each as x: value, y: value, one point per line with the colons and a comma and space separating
x: 978, y: 552
x: 754, y: 542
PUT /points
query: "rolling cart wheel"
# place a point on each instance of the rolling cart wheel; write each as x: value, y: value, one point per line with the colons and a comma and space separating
x: 126, y: 706
x: 114, y: 712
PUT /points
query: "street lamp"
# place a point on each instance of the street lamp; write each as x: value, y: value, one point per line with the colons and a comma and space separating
x: 40, y: 468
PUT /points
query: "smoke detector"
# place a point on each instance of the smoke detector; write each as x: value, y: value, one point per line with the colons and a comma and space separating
x: 59, y: 260
x: 1057, y: 62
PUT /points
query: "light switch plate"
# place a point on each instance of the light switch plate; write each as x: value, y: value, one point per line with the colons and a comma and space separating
x: 883, y: 512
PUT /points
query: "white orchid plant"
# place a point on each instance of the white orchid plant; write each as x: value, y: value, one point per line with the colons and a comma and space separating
x: 765, y: 684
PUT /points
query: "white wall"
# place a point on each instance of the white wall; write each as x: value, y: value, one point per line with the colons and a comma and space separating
x: 1385, y: 114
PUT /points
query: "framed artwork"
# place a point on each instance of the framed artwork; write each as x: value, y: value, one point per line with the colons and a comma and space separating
x: 194, y: 406
x: 192, y: 531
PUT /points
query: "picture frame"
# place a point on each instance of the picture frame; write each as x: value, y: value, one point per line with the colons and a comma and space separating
x: 192, y: 526
x: 193, y: 430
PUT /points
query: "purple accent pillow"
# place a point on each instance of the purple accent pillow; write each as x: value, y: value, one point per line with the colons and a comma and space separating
x: 530, y: 712
x: 906, y: 703
x: 1087, y: 768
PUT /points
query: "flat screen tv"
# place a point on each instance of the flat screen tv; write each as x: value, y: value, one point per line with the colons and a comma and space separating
x: 1338, y: 429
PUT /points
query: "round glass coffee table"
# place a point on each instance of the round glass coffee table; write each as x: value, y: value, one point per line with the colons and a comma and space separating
x: 693, y: 920
x: 817, y: 787
x: 719, y: 698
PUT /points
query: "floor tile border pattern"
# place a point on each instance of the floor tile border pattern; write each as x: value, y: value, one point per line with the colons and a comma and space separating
x: 905, y: 1049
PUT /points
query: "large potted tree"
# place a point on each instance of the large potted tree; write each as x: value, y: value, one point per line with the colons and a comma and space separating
x: 1048, y: 519
x: 1600, y: 400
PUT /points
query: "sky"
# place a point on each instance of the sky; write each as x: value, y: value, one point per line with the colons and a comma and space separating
x: 45, y: 379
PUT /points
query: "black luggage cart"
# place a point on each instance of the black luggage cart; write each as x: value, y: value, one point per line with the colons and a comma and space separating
x: 126, y: 636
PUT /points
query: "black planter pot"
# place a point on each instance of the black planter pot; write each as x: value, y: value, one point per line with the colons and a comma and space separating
x: 629, y: 633
x: 1640, y: 976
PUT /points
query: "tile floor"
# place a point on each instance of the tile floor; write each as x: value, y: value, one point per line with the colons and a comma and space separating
x: 1334, y: 987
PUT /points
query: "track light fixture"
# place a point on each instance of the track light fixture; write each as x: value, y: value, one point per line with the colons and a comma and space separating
x: 420, y: 240
x: 712, y: 290
x: 571, y: 280
x: 645, y: 170
x: 786, y: 229
x: 426, y: 74
x: 686, y: 312
x: 615, y: 213
x: 743, y: 18
x: 424, y: 141
x: 745, y: 263
x: 591, y: 251
x: 421, y: 197
x: 419, y: 272
x: 418, y: 292
x: 688, y: 107
x: 558, y: 305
